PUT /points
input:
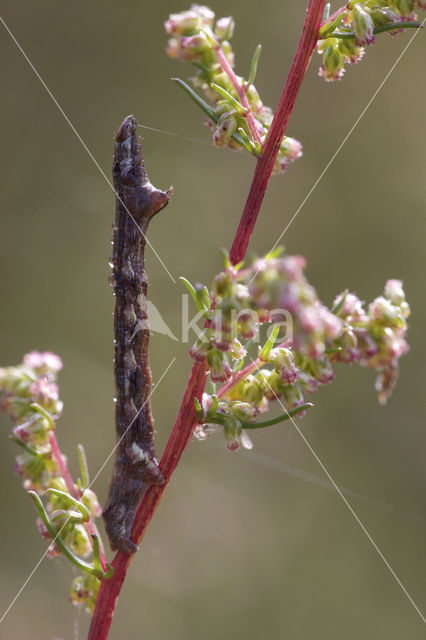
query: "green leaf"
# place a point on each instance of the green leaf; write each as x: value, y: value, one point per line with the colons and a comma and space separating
x: 206, y: 298
x: 190, y: 288
x: 71, y: 501
x: 253, y: 66
x: 275, y: 253
x: 338, y: 306
x: 266, y: 349
x: 210, y: 37
x: 327, y: 29
x: 84, y: 470
x: 213, y: 408
x: 97, y: 560
x: 24, y: 446
x: 251, y: 144
x: 44, y: 413
x: 85, y: 566
x: 229, y: 98
x: 225, y: 257
x: 206, y: 108
x: 199, y: 410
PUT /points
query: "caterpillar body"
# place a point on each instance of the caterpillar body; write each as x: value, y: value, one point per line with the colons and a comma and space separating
x: 135, y: 464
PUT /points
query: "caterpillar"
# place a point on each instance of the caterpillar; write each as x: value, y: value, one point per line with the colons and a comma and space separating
x: 135, y: 465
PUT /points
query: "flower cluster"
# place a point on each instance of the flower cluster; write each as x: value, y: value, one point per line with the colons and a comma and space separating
x: 274, y: 291
x: 234, y: 110
x: 30, y: 396
x: 344, y: 35
x: 374, y: 337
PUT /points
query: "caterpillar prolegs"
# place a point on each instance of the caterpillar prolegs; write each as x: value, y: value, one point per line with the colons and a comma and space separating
x: 135, y: 465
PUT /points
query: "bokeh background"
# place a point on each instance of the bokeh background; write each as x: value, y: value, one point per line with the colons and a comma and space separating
x: 243, y: 545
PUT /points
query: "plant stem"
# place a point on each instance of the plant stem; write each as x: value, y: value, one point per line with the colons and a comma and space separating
x: 186, y: 419
x: 240, y: 89
x: 179, y: 438
x: 62, y: 466
x: 277, y: 129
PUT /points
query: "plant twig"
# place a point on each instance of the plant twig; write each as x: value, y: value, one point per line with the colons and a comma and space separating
x: 239, y: 88
x: 186, y: 419
x: 277, y: 129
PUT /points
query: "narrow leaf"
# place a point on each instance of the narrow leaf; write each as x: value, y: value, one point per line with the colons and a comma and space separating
x: 190, y: 288
x: 84, y: 469
x: 253, y: 66
x: 282, y: 418
x: 327, y: 29
x: 85, y: 566
x: 206, y: 108
x: 266, y: 349
x: 72, y: 501
x: 229, y: 98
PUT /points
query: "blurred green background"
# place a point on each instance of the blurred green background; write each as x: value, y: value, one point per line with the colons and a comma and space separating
x: 240, y: 547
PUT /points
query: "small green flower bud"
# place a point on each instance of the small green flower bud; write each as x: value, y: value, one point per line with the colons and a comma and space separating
x: 294, y: 398
x: 383, y: 15
x: 226, y: 126
x: 232, y: 430
x: 385, y: 383
x: 223, y: 283
x: 284, y: 364
x: 394, y: 291
x: 35, y: 470
x: 236, y: 350
x: 244, y: 411
x: 351, y: 51
x: 363, y: 26
x: 252, y: 390
x: 224, y: 28
x: 200, y: 349
x: 84, y: 591
x: 220, y: 371
x: 77, y: 539
x: 404, y: 7
x: 90, y: 501
x: 333, y: 62
x: 43, y: 363
x: 349, y: 346
x: 273, y: 386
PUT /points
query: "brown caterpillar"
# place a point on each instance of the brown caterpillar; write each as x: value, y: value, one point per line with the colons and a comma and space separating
x: 135, y: 465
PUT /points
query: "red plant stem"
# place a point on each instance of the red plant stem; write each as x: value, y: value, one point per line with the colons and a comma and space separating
x: 72, y: 488
x: 179, y: 438
x: 186, y: 419
x: 241, y: 92
x: 62, y: 466
x: 277, y: 129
